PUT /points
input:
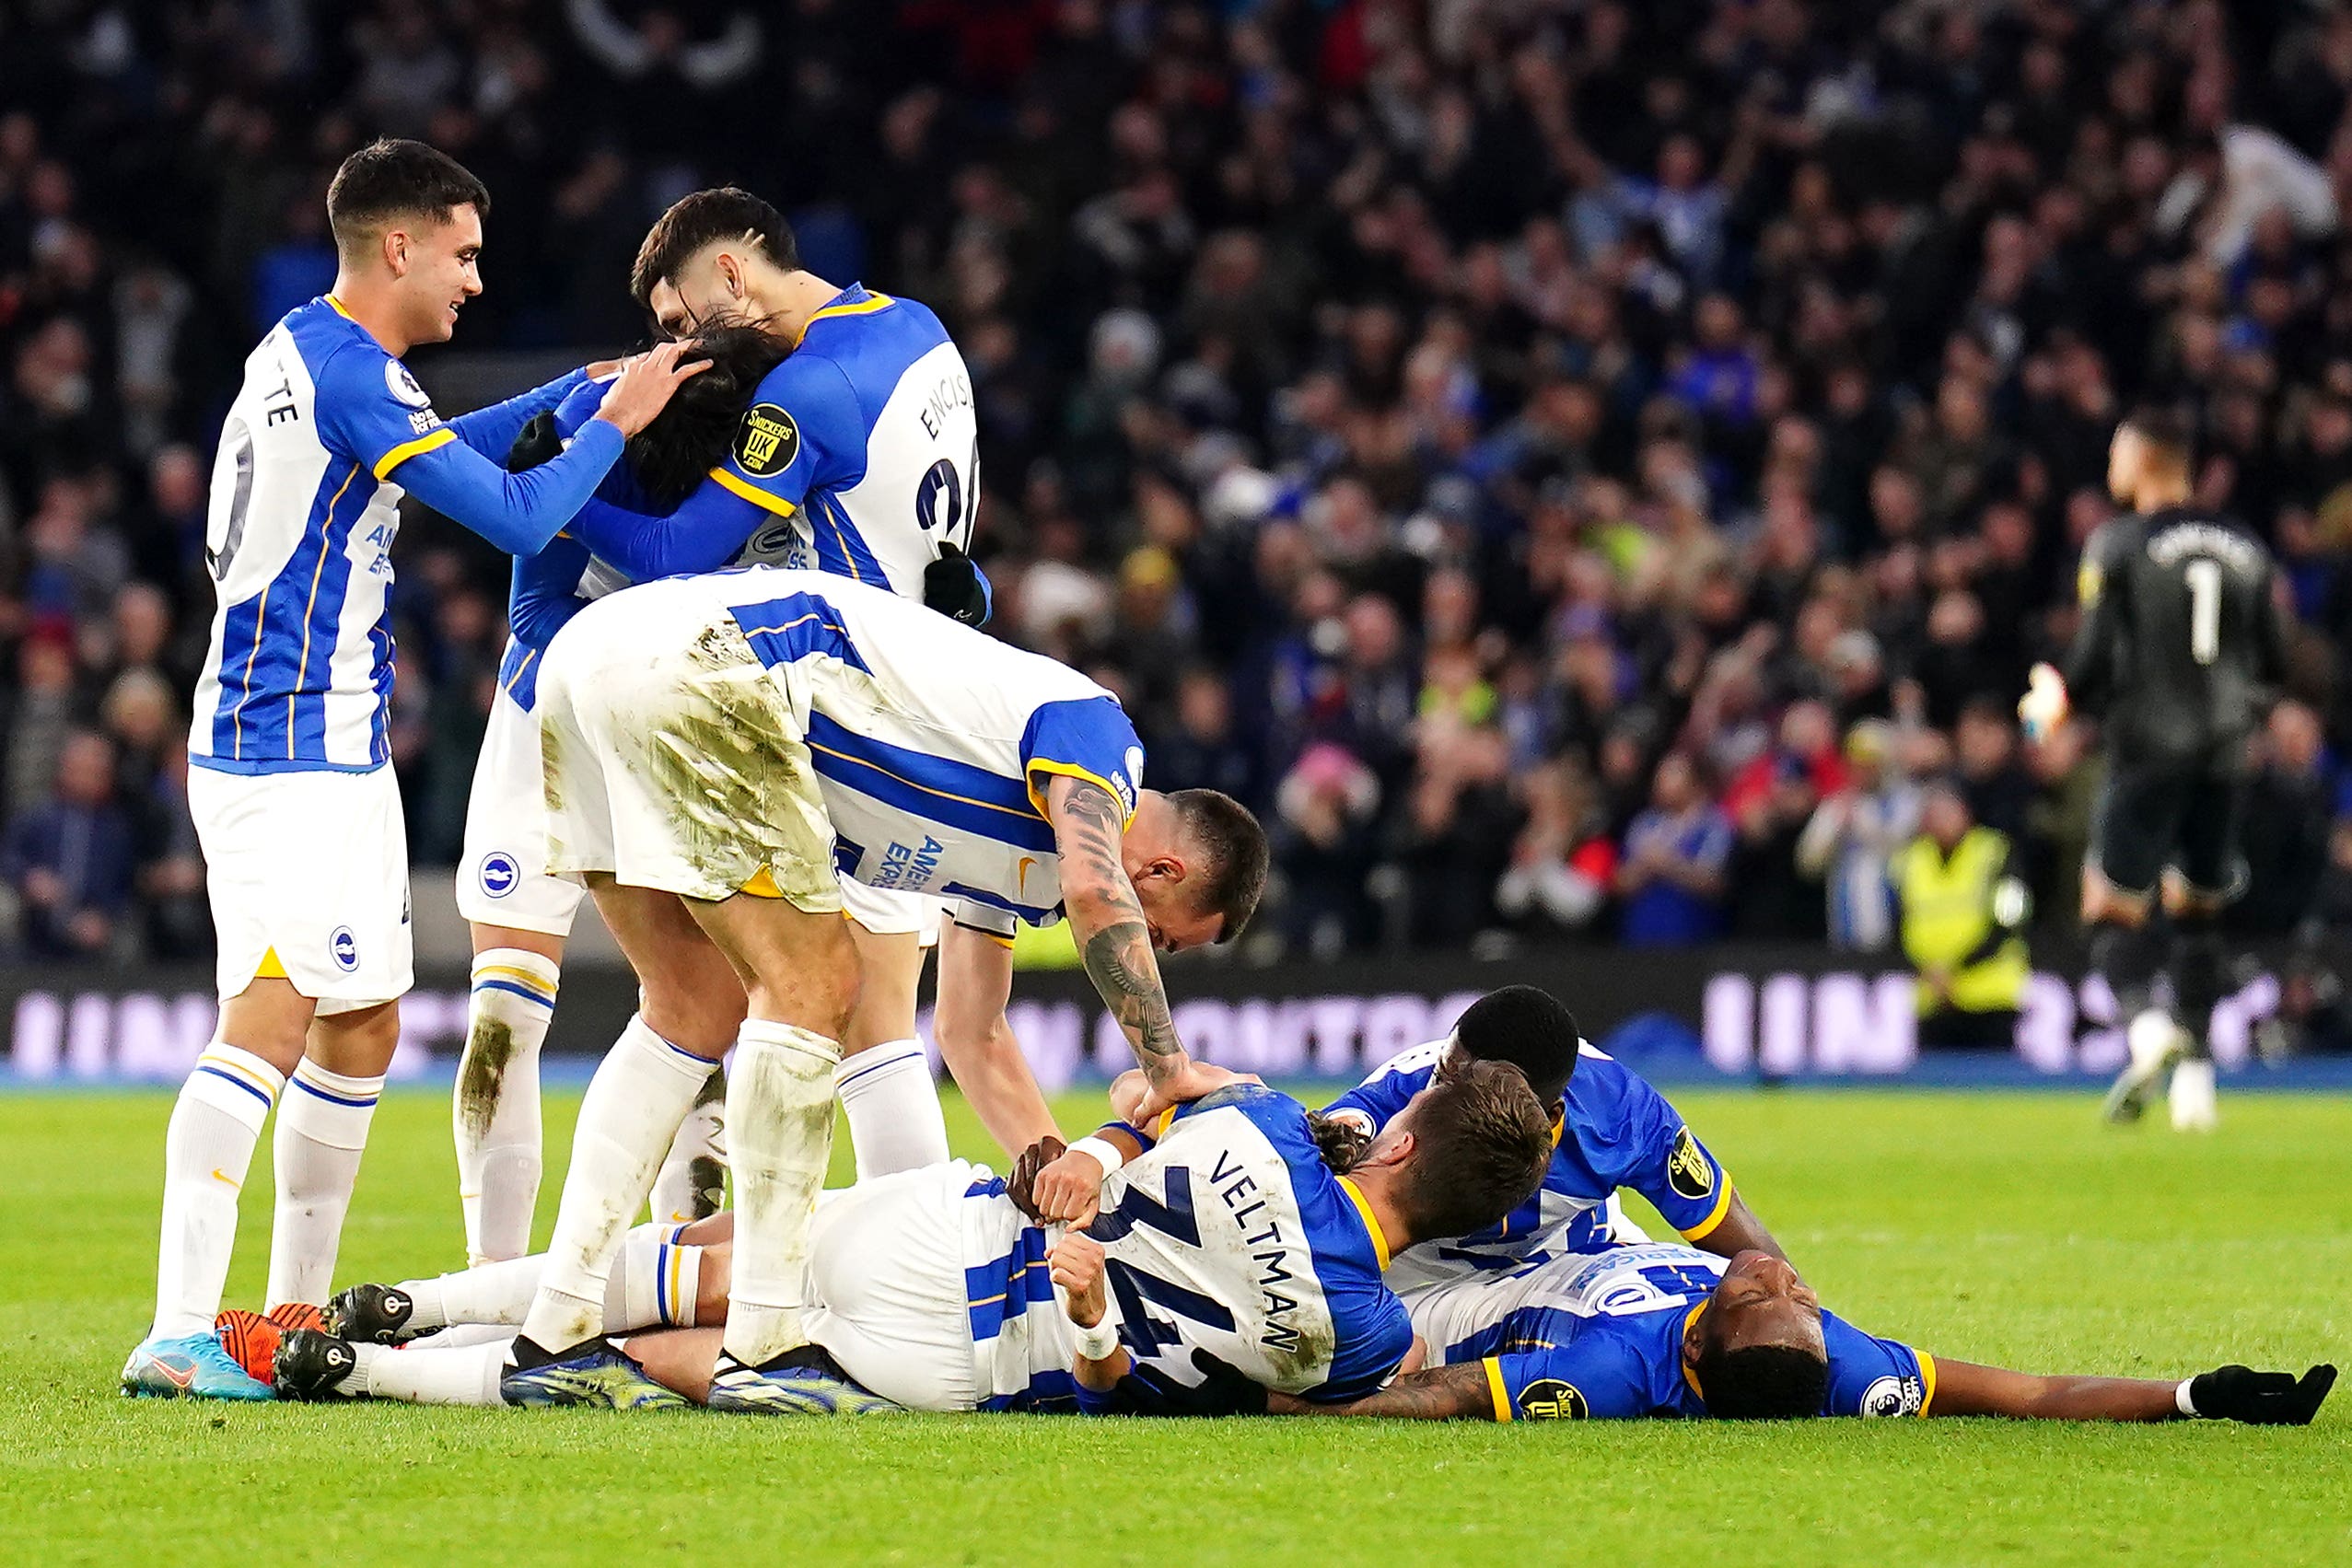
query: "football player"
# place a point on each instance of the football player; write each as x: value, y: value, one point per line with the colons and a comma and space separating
x: 290, y: 782
x: 852, y: 450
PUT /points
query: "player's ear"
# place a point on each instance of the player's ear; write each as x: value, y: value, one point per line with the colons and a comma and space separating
x: 1392, y: 1150
x: 396, y: 246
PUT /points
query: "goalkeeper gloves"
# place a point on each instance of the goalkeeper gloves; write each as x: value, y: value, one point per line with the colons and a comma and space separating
x: 2258, y: 1399
x: 956, y: 587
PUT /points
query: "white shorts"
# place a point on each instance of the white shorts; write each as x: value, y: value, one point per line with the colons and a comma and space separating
x: 675, y: 759
x: 501, y: 877
x: 311, y: 867
x: 886, y: 1287
x: 887, y: 911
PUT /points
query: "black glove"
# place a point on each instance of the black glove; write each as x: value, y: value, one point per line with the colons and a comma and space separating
x: 534, y: 444
x: 956, y: 587
x: 2261, y: 1398
x: 1223, y: 1390
x: 1020, y: 1187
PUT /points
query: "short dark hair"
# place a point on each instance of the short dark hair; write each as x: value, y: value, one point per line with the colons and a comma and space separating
x: 391, y: 179
x: 1761, y: 1382
x: 1482, y: 1142
x: 2165, y: 428
x: 702, y: 218
x: 1528, y: 1027
x: 671, y: 457
x: 1235, y: 879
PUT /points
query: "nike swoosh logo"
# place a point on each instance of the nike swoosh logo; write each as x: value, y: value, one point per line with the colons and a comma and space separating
x: 181, y: 1377
x: 220, y: 1175
x: 1020, y: 889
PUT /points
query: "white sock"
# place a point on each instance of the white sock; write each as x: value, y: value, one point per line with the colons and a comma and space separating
x: 206, y: 1152
x: 456, y: 1336
x: 691, y: 1183
x: 653, y: 1282
x: 321, y: 1132
x: 466, y: 1374
x: 895, y: 1122
x: 493, y: 1111
x: 635, y: 1103
x: 780, y: 1112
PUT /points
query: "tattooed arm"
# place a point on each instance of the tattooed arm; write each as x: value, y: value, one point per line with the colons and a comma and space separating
x: 1112, y: 935
x: 1460, y: 1392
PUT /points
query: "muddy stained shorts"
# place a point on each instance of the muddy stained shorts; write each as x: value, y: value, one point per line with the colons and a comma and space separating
x: 674, y: 760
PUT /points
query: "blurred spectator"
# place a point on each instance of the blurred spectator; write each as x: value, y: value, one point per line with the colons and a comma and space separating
x: 1851, y: 842
x: 1671, y: 874
x: 1323, y: 836
x: 72, y: 858
x: 2285, y: 826
x: 1962, y: 911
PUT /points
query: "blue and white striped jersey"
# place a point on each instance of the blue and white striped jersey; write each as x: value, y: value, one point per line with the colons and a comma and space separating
x: 303, y: 512
x: 858, y: 455
x: 933, y: 742
x: 1615, y: 1130
x: 1229, y: 1235
x: 1600, y: 1338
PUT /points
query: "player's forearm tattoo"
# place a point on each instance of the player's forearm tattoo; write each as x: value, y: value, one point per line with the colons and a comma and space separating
x: 1118, y: 954
x: 1440, y: 1393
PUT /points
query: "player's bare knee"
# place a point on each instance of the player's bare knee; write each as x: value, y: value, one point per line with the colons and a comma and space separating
x: 359, y: 1043
x: 270, y: 1019
x: 714, y: 1283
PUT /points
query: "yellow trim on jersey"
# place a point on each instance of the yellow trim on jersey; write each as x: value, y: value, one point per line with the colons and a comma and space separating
x: 340, y: 308
x: 866, y: 306
x: 1926, y: 1382
x: 272, y: 967
x: 754, y: 494
x: 1167, y: 1118
x: 520, y: 977
x: 1705, y: 1228
x: 318, y: 573
x: 1560, y: 1125
x: 1371, y: 1222
x: 1493, y: 1365
x: 1072, y: 771
x: 1688, y: 1376
x: 530, y: 657
x: 762, y: 884
x: 433, y: 441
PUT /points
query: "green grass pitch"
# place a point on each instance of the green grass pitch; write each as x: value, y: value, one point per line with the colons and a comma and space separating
x: 2004, y: 1228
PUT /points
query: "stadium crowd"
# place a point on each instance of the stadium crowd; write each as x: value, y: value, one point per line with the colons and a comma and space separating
x: 1574, y: 468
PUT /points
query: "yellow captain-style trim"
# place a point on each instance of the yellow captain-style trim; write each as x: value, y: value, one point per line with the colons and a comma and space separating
x: 1071, y: 770
x: 272, y: 967
x: 1493, y: 1364
x: 1161, y: 1123
x: 1560, y: 1126
x: 1371, y: 1222
x: 523, y: 978
x: 431, y: 442
x: 1926, y: 1382
x: 866, y: 306
x: 762, y: 884
x: 341, y: 309
x: 754, y: 494
x: 1688, y: 1376
x: 1705, y: 1228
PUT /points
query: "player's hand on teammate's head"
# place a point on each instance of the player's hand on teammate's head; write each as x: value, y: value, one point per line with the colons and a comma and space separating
x: 1021, y: 1186
x: 1069, y: 1190
x: 534, y: 444
x: 1194, y: 1080
x: 2261, y: 1398
x: 1075, y: 1264
x: 645, y: 385
x: 956, y: 587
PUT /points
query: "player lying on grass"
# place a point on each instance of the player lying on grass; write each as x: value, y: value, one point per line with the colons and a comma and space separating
x: 1665, y: 1330
x: 1229, y: 1233
x: 1614, y: 1131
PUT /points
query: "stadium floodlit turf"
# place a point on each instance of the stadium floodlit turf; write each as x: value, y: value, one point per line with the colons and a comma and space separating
x: 2004, y: 1228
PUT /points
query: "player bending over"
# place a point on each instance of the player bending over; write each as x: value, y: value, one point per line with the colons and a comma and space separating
x: 290, y: 782
x: 1663, y: 1330
x: 2180, y: 644
x: 851, y: 448
x: 1612, y: 1130
x: 718, y: 750
x: 1228, y: 1233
